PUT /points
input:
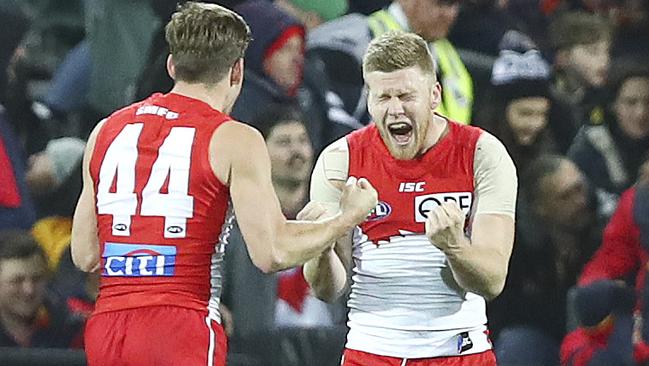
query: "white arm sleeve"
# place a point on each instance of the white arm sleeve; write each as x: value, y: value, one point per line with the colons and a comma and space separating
x: 495, y: 178
x: 333, y: 164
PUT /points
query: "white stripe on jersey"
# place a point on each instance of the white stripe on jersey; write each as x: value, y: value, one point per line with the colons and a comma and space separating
x: 216, y: 268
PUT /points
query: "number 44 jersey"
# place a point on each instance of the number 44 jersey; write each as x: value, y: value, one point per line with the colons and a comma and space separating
x: 163, y: 217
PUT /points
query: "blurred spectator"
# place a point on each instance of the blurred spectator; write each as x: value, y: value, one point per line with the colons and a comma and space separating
x: 529, y: 17
x: 623, y: 255
x: 632, y: 30
x: 480, y: 26
x: 581, y: 44
x: 68, y: 94
x: 15, y: 25
x: 521, y: 82
x: 556, y: 233
x: 16, y: 207
x: 119, y: 33
x: 291, y: 156
x: 17, y: 78
x: 603, y: 8
x: 56, y: 26
x: 28, y: 317
x: 367, y: 6
x: 275, y: 68
x: 154, y: 77
x: 260, y: 302
x: 312, y: 13
x: 274, y: 58
x: 610, y: 154
x: 344, y: 40
x: 605, y: 337
x: 54, y: 176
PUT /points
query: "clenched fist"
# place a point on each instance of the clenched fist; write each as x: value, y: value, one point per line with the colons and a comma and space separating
x: 358, y: 199
x: 445, y: 226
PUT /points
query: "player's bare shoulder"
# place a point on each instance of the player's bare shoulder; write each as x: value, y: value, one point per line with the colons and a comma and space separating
x: 495, y: 175
x: 232, y: 141
x: 333, y: 164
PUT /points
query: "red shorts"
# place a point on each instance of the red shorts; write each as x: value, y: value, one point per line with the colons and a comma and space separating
x: 358, y: 358
x: 159, y: 335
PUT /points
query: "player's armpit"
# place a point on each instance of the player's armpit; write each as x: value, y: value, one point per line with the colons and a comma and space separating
x: 84, y: 242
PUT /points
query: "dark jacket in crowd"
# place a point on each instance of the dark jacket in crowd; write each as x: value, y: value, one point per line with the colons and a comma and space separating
x: 608, y: 158
x: 20, y: 214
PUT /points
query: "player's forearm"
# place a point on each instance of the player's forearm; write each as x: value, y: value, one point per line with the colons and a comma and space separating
x: 299, y: 241
x: 326, y: 275
x: 478, y: 269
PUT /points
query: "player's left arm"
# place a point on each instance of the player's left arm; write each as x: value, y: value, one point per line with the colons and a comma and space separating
x: 479, y: 263
x: 85, y: 243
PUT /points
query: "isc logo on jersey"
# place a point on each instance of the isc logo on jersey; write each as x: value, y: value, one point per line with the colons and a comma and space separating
x: 425, y: 203
x: 137, y: 260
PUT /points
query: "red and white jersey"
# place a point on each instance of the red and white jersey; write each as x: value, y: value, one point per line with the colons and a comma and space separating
x: 163, y: 217
x: 404, y: 300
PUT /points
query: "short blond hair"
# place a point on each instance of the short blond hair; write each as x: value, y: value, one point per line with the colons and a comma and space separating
x: 205, y: 40
x: 394, y: 51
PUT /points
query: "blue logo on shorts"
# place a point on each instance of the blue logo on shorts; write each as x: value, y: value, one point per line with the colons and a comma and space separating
x: 137, y: 260
x: 464, y: 342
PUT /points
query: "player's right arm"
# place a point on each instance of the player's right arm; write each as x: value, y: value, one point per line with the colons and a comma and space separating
x: 240, y: 160
x: 328, y: 273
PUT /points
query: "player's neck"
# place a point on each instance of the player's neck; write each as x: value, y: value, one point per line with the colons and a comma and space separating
x: 437, y: 129
x: 216, y: 96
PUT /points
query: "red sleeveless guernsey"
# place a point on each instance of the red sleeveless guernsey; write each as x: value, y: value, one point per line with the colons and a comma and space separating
x: 163, y: 217
x: 404, y: 301
x: 408, y: 189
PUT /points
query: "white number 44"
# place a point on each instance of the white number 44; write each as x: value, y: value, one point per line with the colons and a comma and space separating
x: 173, y: 162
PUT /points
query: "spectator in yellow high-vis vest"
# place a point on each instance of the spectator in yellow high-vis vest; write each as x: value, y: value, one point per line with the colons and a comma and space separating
x: 340, y: 43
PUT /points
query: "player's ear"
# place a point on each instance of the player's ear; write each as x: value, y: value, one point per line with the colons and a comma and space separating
x: 236, y: 75
x: 436, y: 95
x: 171, y: 67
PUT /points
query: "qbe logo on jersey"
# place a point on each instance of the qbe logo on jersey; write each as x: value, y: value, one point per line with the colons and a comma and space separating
x: 425, y: 203
x: 138, y: 260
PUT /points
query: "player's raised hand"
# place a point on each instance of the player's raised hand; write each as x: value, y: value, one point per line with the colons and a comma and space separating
x: 445, y: 225
x: 358, y: 199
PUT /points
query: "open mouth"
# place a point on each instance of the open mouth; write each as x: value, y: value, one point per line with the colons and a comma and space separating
x: 401, y: 132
